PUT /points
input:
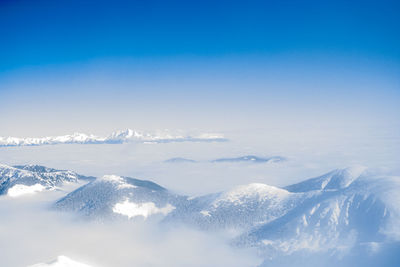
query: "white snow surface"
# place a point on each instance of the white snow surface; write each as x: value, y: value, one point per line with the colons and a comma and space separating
x: 61, y: 261
x: 145, y: 210
x: 114, y: 138
x: 29, y: 179
x: 333, y: 212
x: 118, y: 180
x: 258, y: 191
x: 334, y: 180
x: 20, y: 190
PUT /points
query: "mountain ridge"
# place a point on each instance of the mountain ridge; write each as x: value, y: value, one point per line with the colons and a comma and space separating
x: 336, y: 211
x: 118, y: 137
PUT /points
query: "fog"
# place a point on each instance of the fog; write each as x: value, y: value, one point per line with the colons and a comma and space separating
x: 30, y: 233
x: 309, y: 152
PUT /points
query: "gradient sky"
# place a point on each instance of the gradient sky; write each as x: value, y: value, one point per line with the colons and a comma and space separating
x: 97, y: 66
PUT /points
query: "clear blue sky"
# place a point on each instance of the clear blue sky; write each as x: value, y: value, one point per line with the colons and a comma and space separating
x: 47, y: 32
x: 198, y: 58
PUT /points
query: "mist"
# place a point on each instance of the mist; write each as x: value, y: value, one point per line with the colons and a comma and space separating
x: 31, y: 233
x: 308, y: 153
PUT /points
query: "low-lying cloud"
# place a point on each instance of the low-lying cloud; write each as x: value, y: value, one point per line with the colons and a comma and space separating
x: 30, y: 234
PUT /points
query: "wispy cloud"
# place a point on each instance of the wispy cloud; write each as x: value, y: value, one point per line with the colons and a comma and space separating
x: 118, y: 137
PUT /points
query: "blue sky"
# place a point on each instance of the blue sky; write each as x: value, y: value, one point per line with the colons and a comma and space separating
x: 57, y: 32
x: 82, y: 64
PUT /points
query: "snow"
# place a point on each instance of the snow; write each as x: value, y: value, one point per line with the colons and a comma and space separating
x: 29, y: 179
x: 267, y: 242
x: 112, y: 178
x: 61, y: 261
x: 332, y: 212
x: 20, y: 190
x: 205, y: 213
x: 120, y: 181
x: 255, y: 190
x: 334, y: 180
x: 147, y: 209
x: 114, y: 138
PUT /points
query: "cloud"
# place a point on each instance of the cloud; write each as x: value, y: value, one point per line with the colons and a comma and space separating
x: 30, y: 234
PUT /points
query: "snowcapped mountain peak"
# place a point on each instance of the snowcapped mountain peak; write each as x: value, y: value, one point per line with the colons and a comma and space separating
x: 311, y: 214
x: 127, y: 182
x: 112, y: 178
x: 125, y: 134
x: 355, y: 170
x: 343, y: 178
x: 257, y: 196
x: 334, y: 180
x: 35, y: 168
x: 61, y: 261
x: 29, y: 179
x: 253, y: 190
x: 118, y: 180
x: 113, y: 196
x: 251, y: 158
x: 117, y: 137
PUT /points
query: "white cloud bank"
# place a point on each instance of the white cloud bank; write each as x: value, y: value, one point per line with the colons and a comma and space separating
x: 31, y: 235
x: 20, y: 190
x: 131, y: 209
x: 118, y: 137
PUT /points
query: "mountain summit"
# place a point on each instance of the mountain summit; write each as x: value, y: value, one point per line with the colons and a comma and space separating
x: 28, y: 179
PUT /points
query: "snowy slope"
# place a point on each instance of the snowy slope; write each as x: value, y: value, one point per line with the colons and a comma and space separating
x: 113, y: 196
x: 349, y: 209
x: 118, y: 137
x: 29, y: 179
x: 241, y: 208
x: 334, y: 180
x: 334, y: 212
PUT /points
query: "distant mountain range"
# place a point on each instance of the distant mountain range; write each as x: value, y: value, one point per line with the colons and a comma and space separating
x: 333, y: 212
x: 251, y: 158
x: 118, y: 137
x: 61, y: 261
x: 180, y: 160
x: 246, y: 159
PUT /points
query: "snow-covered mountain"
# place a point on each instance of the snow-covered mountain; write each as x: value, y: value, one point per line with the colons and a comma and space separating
x: 61, y: 261
x: 180, y: 160
x: 251, y: 158
x: 241, y: 208
x: 28, y: 179
x: 248, y: 158
x: 334, y: 212
x: 114, y: 196
x: 334, y: 180
x: 118, y: 137
x: 339, y: 210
